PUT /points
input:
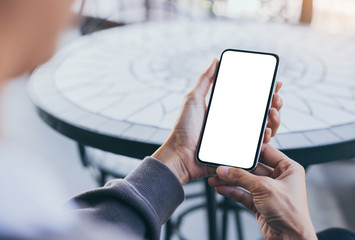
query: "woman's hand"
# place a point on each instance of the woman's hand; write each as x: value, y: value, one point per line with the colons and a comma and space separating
x: 275, y: 193
x: 178, y: 152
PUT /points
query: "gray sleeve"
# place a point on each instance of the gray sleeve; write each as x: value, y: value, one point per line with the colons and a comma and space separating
x: 140, y: 203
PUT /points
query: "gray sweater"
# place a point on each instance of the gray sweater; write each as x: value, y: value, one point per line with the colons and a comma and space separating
x: 135, y: 207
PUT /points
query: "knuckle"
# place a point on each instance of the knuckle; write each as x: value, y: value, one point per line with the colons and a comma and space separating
x: 239, y: 196
x: 265, y: 186
x: 234, y: 175
x: 189, y: 94
x: 299, y: 168
x: 230, y: 194
x: 191, y: 97
x: 204, y: 75
x: 284, y: 164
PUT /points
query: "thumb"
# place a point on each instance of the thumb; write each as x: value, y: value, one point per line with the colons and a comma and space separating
x: 206, y: 79
x: 238, y: 177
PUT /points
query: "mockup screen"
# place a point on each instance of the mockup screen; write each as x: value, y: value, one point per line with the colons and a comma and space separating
x: 234, y: 124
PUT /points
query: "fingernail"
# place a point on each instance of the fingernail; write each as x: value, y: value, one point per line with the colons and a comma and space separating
x: 222, y: 171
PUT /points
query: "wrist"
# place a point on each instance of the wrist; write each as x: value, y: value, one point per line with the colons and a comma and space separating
x: 305, y: 232
x: 303, y: 236
x: 168, y: 155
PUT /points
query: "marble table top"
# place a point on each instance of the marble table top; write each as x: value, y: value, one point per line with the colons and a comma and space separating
x: 129, y: 82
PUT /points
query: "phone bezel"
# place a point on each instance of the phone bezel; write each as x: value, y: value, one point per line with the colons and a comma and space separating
x: 261, y: 135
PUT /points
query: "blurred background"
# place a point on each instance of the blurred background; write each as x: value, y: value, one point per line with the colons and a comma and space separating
x: 331, y: 186
x: 332, y: 16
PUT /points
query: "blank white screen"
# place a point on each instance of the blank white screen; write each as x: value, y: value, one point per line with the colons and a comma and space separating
x: 235, y: 119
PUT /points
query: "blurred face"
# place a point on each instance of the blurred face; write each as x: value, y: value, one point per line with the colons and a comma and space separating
x: 28, y: 32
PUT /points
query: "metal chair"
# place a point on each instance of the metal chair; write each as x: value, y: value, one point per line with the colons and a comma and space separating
x: 90, y: 24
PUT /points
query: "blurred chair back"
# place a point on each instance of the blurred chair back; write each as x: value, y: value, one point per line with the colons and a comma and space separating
x: 97, y: 15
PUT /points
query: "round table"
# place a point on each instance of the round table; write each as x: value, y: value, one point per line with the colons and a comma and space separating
x: 121, y: 89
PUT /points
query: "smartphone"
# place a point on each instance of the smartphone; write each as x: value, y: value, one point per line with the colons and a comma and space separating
x: 238, y: 108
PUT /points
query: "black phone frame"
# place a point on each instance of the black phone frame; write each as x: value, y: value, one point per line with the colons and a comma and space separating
x: 266, y: 114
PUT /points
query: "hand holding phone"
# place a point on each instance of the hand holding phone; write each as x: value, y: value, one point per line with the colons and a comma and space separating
x: 244, y: 84
x: 179, y: 151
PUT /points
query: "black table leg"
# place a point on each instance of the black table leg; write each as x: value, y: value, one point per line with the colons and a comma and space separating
x: 168, y: 230
x: 82, y: 154
x: 211, y: 211
x: 224, y: 218
x: 239, y: 225
x: 102, y: 178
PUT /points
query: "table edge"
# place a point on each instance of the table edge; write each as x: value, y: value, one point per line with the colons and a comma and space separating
x: 136, y: 149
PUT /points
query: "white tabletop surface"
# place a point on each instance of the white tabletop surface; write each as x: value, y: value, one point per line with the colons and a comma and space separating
x: 129, y: 82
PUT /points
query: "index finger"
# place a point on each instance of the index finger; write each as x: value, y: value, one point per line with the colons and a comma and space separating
x: 237, y: 176
x: 271, y: 156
